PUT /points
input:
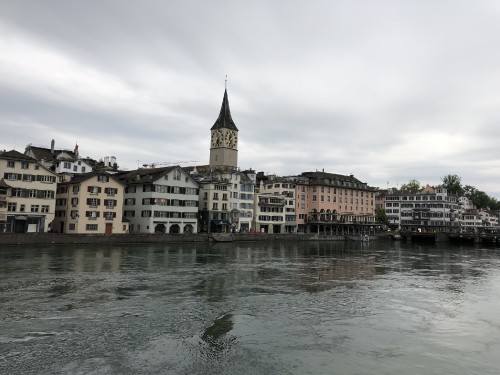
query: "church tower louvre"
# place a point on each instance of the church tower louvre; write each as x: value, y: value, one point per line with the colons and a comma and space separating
x: 224, y: 138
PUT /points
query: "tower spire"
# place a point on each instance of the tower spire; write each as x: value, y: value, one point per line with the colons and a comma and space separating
x: 224, y: 120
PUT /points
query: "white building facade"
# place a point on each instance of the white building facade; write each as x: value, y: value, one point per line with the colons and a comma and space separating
x: 31, y: 200
x: 431, y: 211
x: 161, y: 200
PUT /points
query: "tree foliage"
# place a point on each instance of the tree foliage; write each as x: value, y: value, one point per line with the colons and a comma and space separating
x: 480, y: 199
x: 453, y: 184
x: 413, y: 186
x: 381, y: 216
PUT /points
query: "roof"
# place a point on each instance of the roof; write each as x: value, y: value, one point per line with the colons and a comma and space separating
x: 142, y: 175
x: 321, y: 176
x: 224, y: 121
x: 16, y: 155
x: 4, y: 185
x: 81, y: 177
x: 46, y: 153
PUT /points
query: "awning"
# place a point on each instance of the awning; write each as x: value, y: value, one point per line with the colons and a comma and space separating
x: 221, y: 222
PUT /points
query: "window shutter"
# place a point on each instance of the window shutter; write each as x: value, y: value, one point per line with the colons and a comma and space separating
x: 99, y: 202
x: 97, y: 214
x: 89, y: 189
x: 114, y: 214
x: 87, y: 213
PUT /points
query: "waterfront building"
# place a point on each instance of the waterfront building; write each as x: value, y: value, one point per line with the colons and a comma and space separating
x: 488, y: 218
x: 429, y: 211
x: 31, y: 199
x: 161, y: 200
x: 90, y: 203
x: 269, y: 213
x: 266, y: 208
x: 226, y: 198
x: 226, y: 193
x: 4, y: 192
x: 328, y: 203
x: 470, y: 221
x: 60, y: 161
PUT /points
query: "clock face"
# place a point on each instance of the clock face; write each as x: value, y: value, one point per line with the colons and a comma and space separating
x: 231, y: 139
x: 217, y: 138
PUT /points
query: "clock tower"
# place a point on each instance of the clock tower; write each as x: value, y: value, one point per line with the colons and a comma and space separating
x: 224, y: 138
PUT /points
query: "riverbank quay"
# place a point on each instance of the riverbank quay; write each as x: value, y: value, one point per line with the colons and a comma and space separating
x: 61, y: 239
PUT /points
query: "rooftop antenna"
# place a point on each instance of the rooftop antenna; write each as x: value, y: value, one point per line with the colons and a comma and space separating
x: 226, y: 83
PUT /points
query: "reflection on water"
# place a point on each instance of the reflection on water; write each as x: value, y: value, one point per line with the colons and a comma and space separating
x: 225, y: 308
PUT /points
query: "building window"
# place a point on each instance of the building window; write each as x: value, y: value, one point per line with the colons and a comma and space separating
x: 11, y: 207
x: 216, y: 206
x: 83, y: 169
x: 92, y: 215
x: 22, y: 208
x: 146, y: 213
x: 94, y: 190
x: 91, y: 227
x: 35, y: 207
x: 11, y: 176
x: 92, y: 202
x: 45, y: 208
x: 24, y: 165
x: 103, y: 178
x: 109, y: 215
x: 75, y: 168
x: 74, y: 214
x: 177, y: 175
x: 47, y: 179
x: 72, y: 226
x: 32, y: 193
x: 67, y: 165
x: 11, y: 164
x: 111, y: 191
x: 110, y: 203
x: 76, y: 189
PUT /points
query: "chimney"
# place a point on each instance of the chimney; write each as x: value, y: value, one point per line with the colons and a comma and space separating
x: 52, y: 144
x: 76, y: 151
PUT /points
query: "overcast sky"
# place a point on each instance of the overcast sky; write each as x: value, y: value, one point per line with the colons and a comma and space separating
x: 386, y: 90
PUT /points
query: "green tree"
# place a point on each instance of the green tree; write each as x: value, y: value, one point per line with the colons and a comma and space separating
x: 381, y: 216
x: 478, y: 198
x: 413, y: 186
x: 453, y: 184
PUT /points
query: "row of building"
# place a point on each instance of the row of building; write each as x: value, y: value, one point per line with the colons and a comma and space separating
x: 46, y: 189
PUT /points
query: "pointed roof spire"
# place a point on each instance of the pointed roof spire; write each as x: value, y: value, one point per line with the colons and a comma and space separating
x: 224, y: 120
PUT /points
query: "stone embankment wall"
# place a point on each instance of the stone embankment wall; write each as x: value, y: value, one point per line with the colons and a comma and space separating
x: 55, y: 238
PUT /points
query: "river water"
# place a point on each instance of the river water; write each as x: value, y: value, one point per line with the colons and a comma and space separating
x: 250, y: 308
